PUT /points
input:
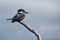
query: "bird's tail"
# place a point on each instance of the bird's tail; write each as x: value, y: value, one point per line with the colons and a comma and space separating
x: 13, y: 20
x: 9, y: 19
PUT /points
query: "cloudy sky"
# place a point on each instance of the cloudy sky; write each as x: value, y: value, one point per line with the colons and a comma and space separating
x: 44, y: 16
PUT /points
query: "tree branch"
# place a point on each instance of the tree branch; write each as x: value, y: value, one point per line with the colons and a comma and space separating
x: 32, y: 30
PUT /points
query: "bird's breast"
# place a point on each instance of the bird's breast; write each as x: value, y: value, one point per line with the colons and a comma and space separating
x: 21, y: 18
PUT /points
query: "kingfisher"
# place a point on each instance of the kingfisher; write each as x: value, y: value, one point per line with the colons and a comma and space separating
x: 19, y: 16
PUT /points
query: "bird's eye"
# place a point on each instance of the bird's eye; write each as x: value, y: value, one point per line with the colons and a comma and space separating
x: 20, y: 13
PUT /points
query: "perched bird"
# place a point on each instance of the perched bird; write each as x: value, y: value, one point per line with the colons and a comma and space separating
x: 19, y: 16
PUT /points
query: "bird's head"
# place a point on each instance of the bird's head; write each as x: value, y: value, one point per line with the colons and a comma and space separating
x: 22, y: 11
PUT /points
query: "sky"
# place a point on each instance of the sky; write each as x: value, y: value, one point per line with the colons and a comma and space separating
x: 44, y: 16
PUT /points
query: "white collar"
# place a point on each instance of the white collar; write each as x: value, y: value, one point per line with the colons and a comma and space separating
x: 21, y: 12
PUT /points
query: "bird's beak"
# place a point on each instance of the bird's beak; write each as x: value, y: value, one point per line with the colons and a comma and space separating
x: 26, y: 12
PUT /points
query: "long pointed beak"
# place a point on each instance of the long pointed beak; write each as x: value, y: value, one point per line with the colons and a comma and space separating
x: 26, y: 12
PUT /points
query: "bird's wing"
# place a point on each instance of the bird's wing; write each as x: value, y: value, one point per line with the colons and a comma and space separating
x: 14, y: 16
x: 17, y: 16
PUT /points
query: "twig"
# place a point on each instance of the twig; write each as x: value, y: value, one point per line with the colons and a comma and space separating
x: 32, y: 30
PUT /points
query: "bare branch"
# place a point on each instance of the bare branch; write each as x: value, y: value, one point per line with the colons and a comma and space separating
x: 32, y: 30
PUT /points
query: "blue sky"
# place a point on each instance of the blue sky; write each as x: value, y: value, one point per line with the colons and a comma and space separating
x: 44, y: 16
